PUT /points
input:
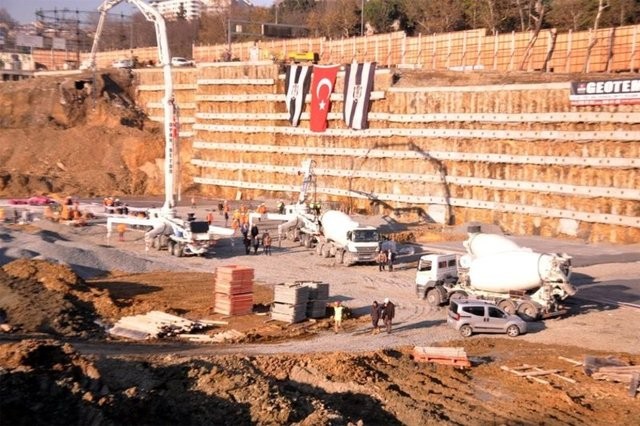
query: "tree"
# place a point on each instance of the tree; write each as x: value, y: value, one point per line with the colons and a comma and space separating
x: 213, y: 29
x: 434, y: 17
x: 386, y: 15
x: 494, y: 15
x: 568, y: 15
x: 6, y: 20
x: 340, y: 18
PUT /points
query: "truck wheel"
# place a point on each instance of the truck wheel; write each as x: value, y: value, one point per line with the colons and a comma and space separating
x: 513, y: 331
x: 458, y: 295
x: 434, y: 298
x: 528, y: 311
x: 348, y: 260
x: 466, y: 331
x: 326, y: 250
x: 508, y: 306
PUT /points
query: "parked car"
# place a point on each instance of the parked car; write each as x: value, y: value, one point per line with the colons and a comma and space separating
x: 36, y: 200
x: 181, y: 62
x: 476, y: 316
x: 122, y: 63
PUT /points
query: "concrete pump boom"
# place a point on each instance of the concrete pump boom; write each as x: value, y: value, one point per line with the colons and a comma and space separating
x: 171, y: 125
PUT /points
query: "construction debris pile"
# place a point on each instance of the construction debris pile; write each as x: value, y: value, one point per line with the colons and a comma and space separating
x: 614, y: 370
x: 153, y: 325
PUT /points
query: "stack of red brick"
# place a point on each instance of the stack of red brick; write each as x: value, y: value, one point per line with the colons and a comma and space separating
x: 233, y: 289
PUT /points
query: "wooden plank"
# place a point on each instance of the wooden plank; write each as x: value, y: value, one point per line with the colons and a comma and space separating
x: 623, y: 377
x: 622, y: 369
x: 534, y: 373
x: 633, y: 386
x: 572, y: 361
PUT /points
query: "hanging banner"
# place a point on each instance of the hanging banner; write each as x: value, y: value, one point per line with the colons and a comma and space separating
x: 324, y: 79
x: 297, y: 81
x: 357, y: 93
x: 605, y: 92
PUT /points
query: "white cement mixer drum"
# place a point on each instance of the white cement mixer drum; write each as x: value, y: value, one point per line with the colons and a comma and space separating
x: 514, y: 270
x: 479, y: 245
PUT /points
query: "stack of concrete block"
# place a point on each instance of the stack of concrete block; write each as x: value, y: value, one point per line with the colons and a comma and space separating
x: 233, y: 289
x: 318, y: 298
x: 290, y: 302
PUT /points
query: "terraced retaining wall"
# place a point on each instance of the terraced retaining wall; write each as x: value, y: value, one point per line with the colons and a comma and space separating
x: 492, y: 150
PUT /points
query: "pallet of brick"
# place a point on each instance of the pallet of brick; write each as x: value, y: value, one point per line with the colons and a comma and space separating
x: 317, y: 308
x: 317, y: 289
x: 233, y: 304
x: 289, y: 313
x: 449, y: 356
x: 234, y: 279
x: 291, y: 293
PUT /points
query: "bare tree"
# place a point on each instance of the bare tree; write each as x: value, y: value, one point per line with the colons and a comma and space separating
x: 538, y: 18
x: 497, y: 15
x: 568, y: 14
x: 435, y: 17
x: 593, y: 38
x: 340, y: 18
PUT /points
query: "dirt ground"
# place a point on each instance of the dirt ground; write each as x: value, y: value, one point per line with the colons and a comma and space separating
x: 59, y: 355
x: 58, y: 365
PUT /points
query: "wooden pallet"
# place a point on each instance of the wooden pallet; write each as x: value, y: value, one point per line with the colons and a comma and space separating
x: 532, y: 372
x: 447, y: 356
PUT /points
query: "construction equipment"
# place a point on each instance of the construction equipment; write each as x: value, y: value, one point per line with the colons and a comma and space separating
x: 332, y: 233
x: 179, y: 236
x: 496, y: 269
x: 171, y: 125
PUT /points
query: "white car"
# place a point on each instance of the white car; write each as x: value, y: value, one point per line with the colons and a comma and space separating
x: 181, y: 62
x: 122, y: 63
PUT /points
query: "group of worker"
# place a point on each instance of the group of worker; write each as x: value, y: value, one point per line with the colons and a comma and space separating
x: 385, y: 312
x: 251, y: 239
x: 386, y: 254
x: 68, y: 210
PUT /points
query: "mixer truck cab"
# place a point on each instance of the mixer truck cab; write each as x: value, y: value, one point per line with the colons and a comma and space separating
x: 345, y: 239
x: 433, y: 271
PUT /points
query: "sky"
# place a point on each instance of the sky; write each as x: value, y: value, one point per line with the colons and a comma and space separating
x: 24, y: 11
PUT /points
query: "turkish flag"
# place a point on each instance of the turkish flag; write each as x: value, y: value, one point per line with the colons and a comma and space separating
x: 324, y: 77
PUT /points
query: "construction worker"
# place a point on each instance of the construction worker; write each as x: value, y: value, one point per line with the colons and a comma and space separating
x: 210, y: 217
x: 280, y: 207
x: 121, y: 228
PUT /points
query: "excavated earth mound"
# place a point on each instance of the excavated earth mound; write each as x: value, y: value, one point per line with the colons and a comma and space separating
x: 46, y: 382
x: 41, y: 297
x: 62, y: 135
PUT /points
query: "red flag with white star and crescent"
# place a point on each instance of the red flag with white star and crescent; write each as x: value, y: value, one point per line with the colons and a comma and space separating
x: 324, y: 78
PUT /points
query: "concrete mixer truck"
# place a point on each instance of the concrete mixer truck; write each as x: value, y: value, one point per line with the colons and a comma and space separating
x: 335, y: 234
x: 518, y: 280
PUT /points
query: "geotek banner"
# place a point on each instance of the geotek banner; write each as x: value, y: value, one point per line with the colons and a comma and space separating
x: 605, y: 92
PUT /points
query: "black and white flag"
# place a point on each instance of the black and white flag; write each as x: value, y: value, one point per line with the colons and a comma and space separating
x: 358, y: 83
x: 297, y: 82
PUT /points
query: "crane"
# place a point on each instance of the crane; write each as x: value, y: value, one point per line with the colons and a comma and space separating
x: 167, y: 230
x: 171, y: 123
